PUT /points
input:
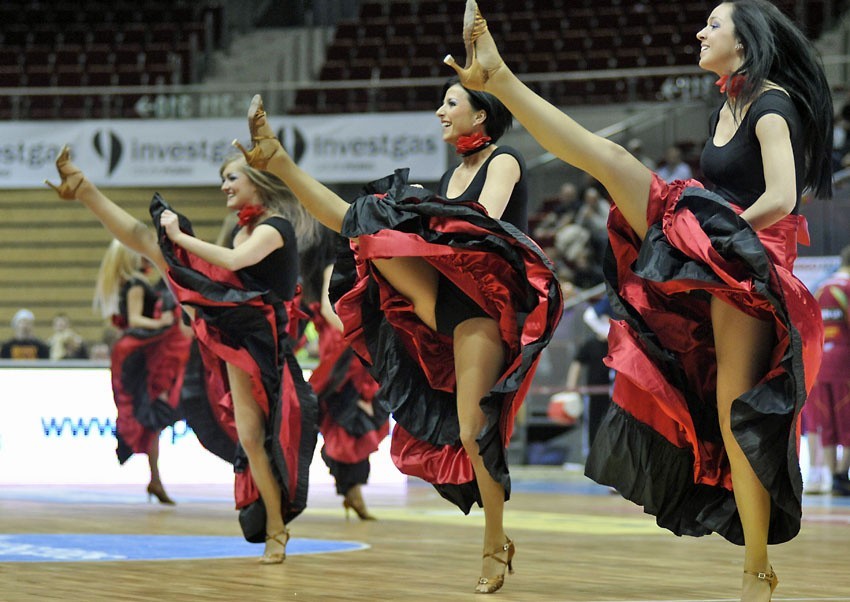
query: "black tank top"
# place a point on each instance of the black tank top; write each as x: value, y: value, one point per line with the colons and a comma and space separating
x: 278, y: 271
x: 149, y: 300
x: 516, y: 211
x: 736, y: 168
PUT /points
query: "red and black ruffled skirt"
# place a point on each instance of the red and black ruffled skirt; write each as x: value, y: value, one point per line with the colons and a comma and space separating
x: 241, y: 323
x: 495, y: 265
x: 146, y: 364
x: 660, y: 444
x: 350, y: 431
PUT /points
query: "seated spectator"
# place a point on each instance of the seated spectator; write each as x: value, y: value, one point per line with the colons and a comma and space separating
x: 65, y: 344
x: 593, y: 216
x: 674, y: 167
x: 24, y: 345
x: 841, y: 140
x: 561, y: 211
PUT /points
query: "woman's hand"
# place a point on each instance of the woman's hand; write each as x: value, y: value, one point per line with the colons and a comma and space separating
x: 167, y: 318
x: 170, y: 222
x: 482, y: 56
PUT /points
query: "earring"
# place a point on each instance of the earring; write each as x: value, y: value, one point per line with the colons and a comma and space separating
x: 739, y: 46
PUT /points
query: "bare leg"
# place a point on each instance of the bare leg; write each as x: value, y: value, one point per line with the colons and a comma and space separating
x: 743, y: 346
x: 250, y: 426
x: 479, y: 358
x: 416, y: 280
x: 830, y: 458
x: 153, y: 460
x: 624, y: 176
x: 843, y: 465
x: 155, y: 487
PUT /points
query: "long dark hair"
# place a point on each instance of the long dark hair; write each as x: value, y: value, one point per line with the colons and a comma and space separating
x: 776, y: 50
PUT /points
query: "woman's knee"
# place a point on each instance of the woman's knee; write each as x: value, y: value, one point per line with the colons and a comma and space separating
x: 469, y: 440
x: 252, y: 440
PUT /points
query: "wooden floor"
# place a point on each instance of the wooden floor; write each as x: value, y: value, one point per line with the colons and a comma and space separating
x: 575, y: 541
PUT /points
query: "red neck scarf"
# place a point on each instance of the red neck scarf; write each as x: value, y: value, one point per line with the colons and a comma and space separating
x: 469, y: 145
x: 731, y: 86
x: 249, y: 213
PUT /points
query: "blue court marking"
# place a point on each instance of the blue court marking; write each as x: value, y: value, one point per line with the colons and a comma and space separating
x: 85, y: 547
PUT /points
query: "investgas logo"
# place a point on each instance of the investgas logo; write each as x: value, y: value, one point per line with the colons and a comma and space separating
x: 108, y: 146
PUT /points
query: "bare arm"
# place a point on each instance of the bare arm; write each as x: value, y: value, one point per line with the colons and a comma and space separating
x: 135, y: 306
x: 261, y: 242
x: 327, y: 309
x: 502, y: 175
x: 573, y: 374
x: 777, y: 155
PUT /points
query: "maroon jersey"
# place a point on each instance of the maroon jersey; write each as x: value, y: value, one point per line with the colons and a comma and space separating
x: 833, y: 295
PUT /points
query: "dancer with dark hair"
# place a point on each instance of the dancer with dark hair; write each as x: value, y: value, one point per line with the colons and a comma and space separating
x: 147, y: 361
x: 720, y: 343
x: 351, y: 420
x: 240, y: 299
x: 447, y: 300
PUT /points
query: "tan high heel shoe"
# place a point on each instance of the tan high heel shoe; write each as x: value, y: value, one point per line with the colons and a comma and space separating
x: 65, y: 190
x: 493, y: 584
x: 771, y: 578
x: 259, y: 156
x: 355, y: 502
x: 276, y: 557
x: 158, y: 491
x: 474, y: 75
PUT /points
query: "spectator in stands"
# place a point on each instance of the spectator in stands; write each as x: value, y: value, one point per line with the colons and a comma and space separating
x: 24, y: 345
x: 827, y: 411
x: 244, y: 299
x: 711, y: 296
x: 147, y: 360
x: 841, y: 152
x: 561, y: 211
x: 674, y: 167
x: 588, y: 364
x: 65, y: 344
x: 593, y: 216
x: 455, y: 286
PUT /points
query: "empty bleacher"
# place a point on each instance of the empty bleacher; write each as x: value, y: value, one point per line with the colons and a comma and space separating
x: 100, y: 44
x: 396, y: 39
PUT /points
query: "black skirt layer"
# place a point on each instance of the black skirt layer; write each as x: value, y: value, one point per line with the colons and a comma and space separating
x: 499, y: 268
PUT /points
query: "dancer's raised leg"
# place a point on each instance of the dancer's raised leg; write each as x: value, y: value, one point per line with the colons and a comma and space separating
x: 625, y: 178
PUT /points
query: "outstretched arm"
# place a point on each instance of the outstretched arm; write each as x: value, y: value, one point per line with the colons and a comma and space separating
x: 625, y: 178
x: 268, y: 154
x: 263, y: 240
x: 130, y: 231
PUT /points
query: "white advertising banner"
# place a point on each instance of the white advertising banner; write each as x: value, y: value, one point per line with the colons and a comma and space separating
x: 57, y: 427
x: 188, y: 152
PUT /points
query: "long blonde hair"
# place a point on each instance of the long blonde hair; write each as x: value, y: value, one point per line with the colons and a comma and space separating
x: 118, y: 266
x: 276, y: 196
